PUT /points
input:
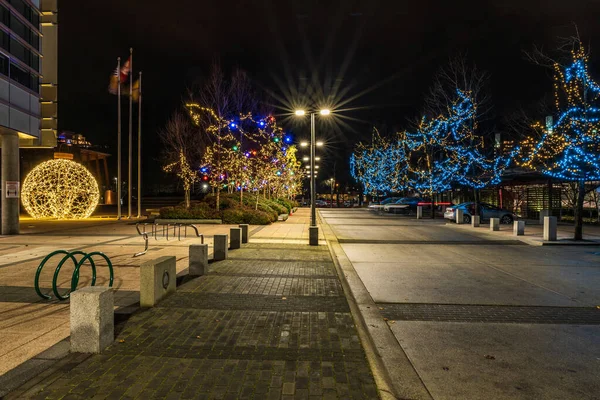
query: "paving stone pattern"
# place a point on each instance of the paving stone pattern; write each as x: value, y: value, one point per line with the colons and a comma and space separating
x: 491, y: 313
x: 284, y: 331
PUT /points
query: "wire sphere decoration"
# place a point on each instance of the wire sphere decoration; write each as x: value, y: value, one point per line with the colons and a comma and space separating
x: 61, y: 189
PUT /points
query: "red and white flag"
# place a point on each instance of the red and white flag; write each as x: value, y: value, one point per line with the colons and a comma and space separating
x: 125, y: 70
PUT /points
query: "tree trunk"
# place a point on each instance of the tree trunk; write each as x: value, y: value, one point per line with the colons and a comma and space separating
x: 550, y: 195
x: 256, y: 206
x: 187, y: 197
x: 432, y: 205
x: 579, y: 210
x: 476, y: 201
x: 218, y: 199
x: 241, y: 196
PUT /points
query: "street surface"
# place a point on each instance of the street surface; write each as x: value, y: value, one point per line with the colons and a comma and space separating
x: 478, y: 314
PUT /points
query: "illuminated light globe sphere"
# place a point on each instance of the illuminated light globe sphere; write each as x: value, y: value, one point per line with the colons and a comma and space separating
x: 60, y: 189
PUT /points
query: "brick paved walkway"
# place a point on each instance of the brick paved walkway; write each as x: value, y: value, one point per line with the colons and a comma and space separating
x: 271, y: 322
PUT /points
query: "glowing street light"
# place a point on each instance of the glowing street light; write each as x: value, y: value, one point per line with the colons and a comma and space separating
x: 303, y: 144
x: 313, y: 229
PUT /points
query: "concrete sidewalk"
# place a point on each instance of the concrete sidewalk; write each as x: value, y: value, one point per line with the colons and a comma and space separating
x: 30, y: 325
x: 270, y: 322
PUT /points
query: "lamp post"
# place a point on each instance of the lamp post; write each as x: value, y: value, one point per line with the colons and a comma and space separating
x: 313, y: 229
x: 331, y: 182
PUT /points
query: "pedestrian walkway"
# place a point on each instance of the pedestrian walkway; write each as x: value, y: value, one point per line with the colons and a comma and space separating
x: 271, y: 322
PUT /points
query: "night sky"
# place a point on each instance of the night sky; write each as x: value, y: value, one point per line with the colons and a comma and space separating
x: 374, y: 58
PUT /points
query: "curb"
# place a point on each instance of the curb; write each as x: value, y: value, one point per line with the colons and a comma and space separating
x: 394, y: 373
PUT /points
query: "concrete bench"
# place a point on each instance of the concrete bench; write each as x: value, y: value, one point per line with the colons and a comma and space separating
x: 92, y: 319
x: 282, y: 217
x: 158, y: 278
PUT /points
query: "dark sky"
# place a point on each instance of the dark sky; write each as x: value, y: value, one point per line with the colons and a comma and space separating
x: 377, y: 57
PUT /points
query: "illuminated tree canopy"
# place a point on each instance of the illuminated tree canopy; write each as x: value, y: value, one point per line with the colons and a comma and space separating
x: 381, y: 165
x: 60, y: 189
x: 443, y: 152
x: 569, y: 148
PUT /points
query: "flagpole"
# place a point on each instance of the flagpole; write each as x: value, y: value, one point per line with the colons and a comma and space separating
x: 130, y: 132
x: 118, y: 137
x: 139, y: 171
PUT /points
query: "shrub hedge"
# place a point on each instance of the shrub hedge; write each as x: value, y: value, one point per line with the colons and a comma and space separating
x: 231, y: 212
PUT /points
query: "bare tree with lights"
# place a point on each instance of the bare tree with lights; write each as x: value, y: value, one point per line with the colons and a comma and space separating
x: 181, y: 150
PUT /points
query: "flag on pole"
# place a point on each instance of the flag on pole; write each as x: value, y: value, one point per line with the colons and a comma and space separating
x: 125, y: 70
x: 135, y: 91
x: 114, y: 82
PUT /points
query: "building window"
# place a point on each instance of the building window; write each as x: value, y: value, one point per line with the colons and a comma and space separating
x: 4, y: 15
x: 24, y: 54
x: 3, y: 65
x: 4, y: 40
x: 24, y: 78
x: 24, y: 32
x: 25, y: 10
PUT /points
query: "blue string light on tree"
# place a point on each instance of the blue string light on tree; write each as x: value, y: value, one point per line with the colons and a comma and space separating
x: 569, y: 149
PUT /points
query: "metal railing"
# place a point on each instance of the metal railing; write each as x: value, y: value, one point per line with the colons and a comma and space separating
x: 75, y: 278
x: 165, y: 233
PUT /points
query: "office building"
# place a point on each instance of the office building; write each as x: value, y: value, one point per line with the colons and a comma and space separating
x: 28, y: 88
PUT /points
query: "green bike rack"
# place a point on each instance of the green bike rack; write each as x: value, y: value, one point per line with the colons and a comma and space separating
x: 75, y: 278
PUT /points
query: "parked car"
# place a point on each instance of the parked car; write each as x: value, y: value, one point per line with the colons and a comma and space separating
x: 321, y: 203
x: 403, y: 204
x: 486, y: 211
x: 379, y: 207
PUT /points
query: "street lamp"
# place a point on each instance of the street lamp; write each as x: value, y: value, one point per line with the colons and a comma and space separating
x: 331, y: 182
x: 313, y: 229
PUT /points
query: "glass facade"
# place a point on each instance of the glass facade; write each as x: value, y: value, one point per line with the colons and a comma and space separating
x: 9, y: 41
x: 26, y: 79
x: 25, y: 10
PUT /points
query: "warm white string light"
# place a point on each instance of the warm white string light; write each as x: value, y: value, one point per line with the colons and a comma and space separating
x: 60, y: 189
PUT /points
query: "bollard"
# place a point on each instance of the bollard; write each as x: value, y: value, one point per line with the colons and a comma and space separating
x: 158, y: 278
x: 198, y: 259
x: 494, y: 224
x: 245, y: 228
x: 460, y: 219
x: 236, y: 238
x: 419, y: 212
x: 543, y: 214
x: 519, y: 228
x: 550, y: 228
x: 220, y: 247
x: 475, y: 221
x: 313, y: 235
x: 92, y: 319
